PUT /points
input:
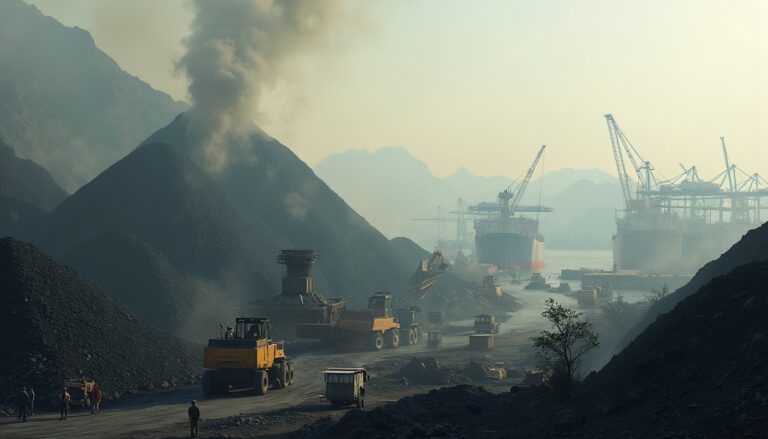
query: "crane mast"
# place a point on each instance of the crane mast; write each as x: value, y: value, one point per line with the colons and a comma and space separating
x: 614, y: 132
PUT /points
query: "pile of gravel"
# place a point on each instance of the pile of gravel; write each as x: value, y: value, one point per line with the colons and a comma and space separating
x: 55, y: 324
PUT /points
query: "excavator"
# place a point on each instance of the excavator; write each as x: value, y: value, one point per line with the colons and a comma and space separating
x: 246, y: 357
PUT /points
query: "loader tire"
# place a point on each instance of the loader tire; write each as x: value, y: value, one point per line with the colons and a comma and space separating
x: 277, y: 376
x: 290, y: 373
x: 261, y: 382
x: 377, y: 341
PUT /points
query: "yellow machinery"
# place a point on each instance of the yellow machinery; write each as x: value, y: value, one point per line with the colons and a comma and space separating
x: 377, y: 327
x: 246, y: 357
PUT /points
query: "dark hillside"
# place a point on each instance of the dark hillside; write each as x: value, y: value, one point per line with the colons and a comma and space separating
x: 55, y: 323
x: 66, y: 104
x: 27, y: 181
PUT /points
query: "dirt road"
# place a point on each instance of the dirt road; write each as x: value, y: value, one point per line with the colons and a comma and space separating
x: 160, y: 411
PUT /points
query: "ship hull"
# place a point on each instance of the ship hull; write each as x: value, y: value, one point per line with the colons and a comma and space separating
x: 652, y: 251
x: 508, y: 251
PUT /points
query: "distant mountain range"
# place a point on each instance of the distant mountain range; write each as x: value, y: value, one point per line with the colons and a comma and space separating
x: 66, y: 104
x: 391, y: 188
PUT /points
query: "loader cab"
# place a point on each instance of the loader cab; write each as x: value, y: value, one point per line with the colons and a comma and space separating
x: 381, y: 304
x: 252, y: 328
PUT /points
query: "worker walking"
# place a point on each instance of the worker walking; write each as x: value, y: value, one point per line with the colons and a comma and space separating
x: 22, y: 402
x: 194, y: 419
x: 64, y: 400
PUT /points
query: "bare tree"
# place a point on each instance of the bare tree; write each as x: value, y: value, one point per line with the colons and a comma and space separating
x: 560, y: 350
x: 657, y: 295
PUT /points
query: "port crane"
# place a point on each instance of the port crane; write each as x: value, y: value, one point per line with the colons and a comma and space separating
x: 646, y: 179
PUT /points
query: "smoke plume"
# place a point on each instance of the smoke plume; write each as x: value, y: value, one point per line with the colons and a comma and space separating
x: 236, y: 49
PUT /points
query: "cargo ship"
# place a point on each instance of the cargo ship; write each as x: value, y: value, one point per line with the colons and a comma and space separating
x: 506, y: 240
x: 647, y: 240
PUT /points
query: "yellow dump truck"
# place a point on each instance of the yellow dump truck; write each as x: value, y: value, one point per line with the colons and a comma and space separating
x: 246, y: 357
x: 375, y: 327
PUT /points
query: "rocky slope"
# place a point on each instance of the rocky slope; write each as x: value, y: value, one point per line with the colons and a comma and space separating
x: 66, y: 104
x: 54, y: 323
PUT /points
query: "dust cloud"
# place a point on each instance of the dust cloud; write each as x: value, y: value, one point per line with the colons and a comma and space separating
x: 236, y: 49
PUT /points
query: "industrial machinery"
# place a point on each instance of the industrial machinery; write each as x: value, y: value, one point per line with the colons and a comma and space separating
x: 538, y: 283
x: 427, y: 273
x: 490, y: 287
x: 486, y: 324
x: 298, y: 302
x: 410, y: 330
x: 246, y: 357
x: 375, y: 327
x: 345, y: 385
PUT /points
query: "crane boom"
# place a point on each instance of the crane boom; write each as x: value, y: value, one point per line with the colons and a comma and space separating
x: 613, y: 130
x: 524, y: 183
x: 728, y: 169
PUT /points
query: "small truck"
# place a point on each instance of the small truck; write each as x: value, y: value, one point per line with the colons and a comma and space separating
x: 345, y: 386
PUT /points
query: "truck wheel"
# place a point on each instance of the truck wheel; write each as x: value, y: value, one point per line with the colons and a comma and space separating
x: 393, y: 338
x: 416, y: 335
x: 290, y: 373
x: 261, y: 382
x: 411, y: 337
x: 209, y: 383
x: 285, y: 378
x: 378, y: 341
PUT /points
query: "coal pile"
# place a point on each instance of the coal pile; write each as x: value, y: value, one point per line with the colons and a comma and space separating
x: 153, y: 224
x: 701, y: 369
x: 752, y: 247
x: 139, y: 276
x: 55, y: 324
x: 428, y: 371
x: 450, y: 294
x: 282, y: 191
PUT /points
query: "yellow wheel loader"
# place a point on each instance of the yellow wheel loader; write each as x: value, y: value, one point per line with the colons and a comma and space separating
x: 245, y: 357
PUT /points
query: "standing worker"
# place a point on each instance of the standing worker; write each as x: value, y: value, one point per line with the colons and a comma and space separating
x: 194, y: 418
x: 31, y: 394
x: 64, y: 400
x: 22, y: 402
x: 96, y: 395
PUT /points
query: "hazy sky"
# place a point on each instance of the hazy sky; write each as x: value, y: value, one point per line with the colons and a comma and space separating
x: 482, y: 84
